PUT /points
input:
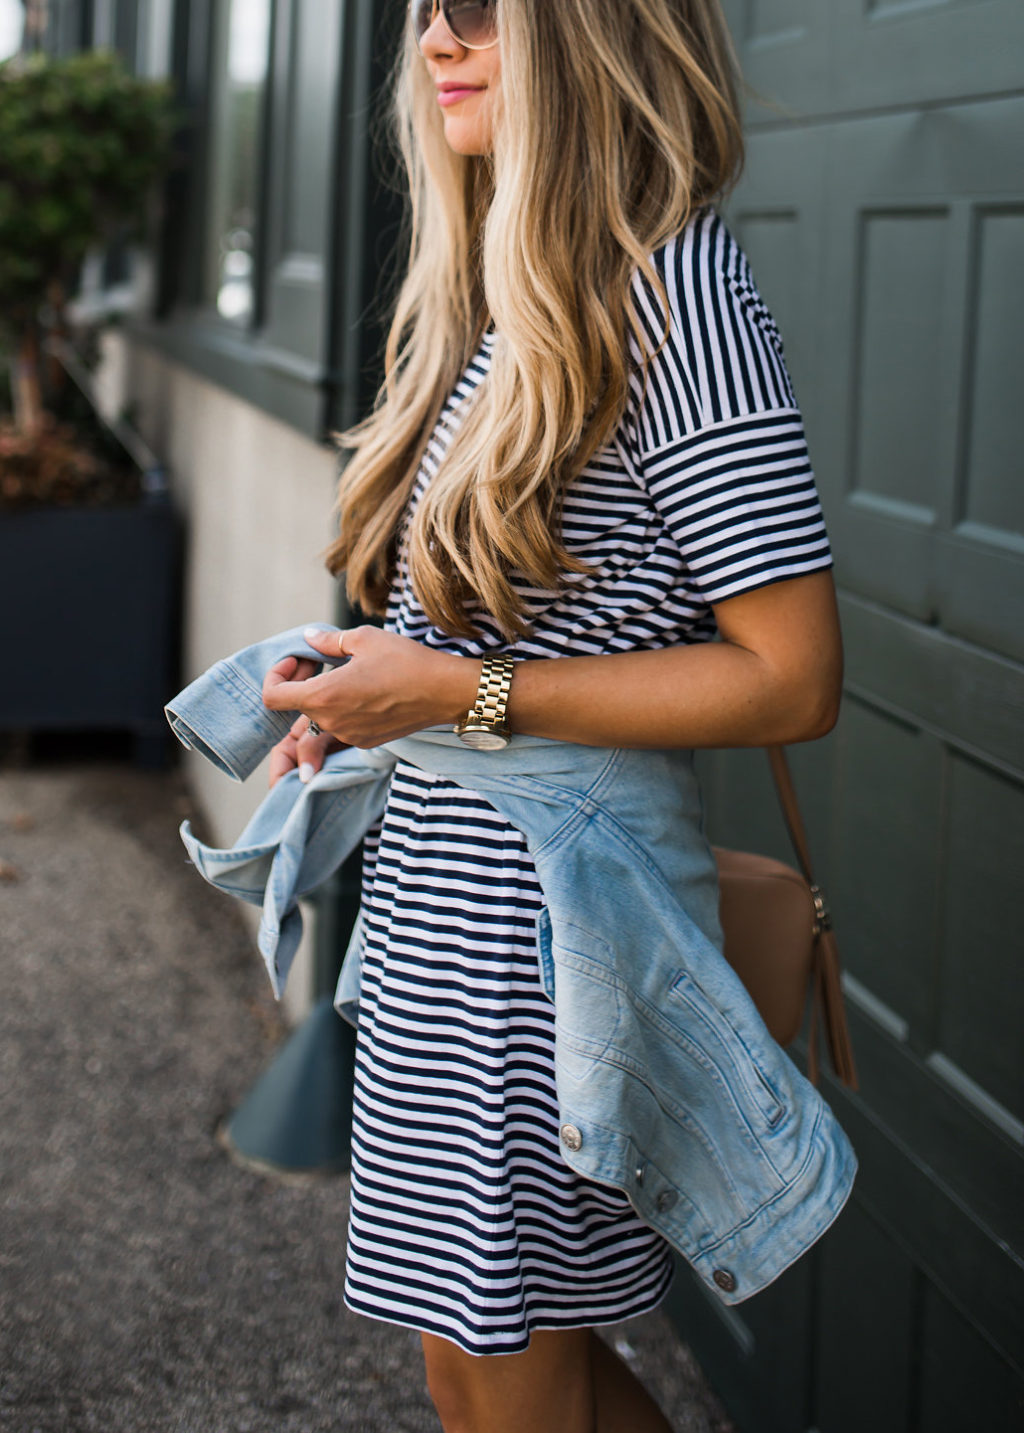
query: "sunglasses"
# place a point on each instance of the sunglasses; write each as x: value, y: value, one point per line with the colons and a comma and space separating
x: 473, y: 24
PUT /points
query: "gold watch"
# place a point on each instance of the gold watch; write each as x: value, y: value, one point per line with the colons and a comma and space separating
x: 484, y: 726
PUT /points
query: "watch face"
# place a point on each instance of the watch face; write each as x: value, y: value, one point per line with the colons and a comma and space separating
x: 482, y: 738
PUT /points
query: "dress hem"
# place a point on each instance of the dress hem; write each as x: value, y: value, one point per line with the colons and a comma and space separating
x: 542, y: 1324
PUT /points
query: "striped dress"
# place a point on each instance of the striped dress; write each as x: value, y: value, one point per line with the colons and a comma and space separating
x: 465, y: 1221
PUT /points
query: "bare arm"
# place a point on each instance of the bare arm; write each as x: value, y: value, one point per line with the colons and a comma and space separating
x: 774, y: 677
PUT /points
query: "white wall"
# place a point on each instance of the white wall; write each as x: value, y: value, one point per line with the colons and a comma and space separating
x: 257, y: 498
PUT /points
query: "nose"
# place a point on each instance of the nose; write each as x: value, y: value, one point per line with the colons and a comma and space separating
x: 437, y: 41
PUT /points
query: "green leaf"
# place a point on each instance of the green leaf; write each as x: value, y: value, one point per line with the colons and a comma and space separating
x: 81, y: 143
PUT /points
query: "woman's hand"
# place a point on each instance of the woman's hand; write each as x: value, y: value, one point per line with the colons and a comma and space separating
x: 300, y: 748
x: 774, y: 677
x: 389, y: 687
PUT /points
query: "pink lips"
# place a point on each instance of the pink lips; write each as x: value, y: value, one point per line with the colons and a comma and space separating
x: 451, y: 94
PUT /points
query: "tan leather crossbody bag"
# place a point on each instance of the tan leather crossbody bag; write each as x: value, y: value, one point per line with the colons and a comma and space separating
x: 779, y: 938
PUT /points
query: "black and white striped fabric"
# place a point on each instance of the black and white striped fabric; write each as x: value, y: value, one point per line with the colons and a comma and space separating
x: 465, y: 1220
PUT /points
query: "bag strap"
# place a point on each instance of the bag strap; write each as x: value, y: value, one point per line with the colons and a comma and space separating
x: 827, y: 1005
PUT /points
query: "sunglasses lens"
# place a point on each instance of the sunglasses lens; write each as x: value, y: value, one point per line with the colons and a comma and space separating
x: 421, y: 12
x: 472, y: 22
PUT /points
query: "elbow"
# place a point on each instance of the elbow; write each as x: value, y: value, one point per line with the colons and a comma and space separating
x: 814, y: 713
x: 823, y: 719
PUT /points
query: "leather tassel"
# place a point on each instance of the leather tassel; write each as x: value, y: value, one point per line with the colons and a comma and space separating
x: 827, y: 1005
x: 833, y: 1009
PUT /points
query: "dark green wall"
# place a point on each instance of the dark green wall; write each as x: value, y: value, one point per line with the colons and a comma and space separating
x: 883, y: 211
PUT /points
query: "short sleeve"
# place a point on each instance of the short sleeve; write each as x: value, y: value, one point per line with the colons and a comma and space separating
x: 715, y: 434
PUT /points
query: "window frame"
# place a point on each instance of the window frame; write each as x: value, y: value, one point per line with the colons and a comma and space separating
x: 312, y: 355
x: 313, y: 391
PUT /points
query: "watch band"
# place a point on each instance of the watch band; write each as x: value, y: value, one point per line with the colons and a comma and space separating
x: 492, y: 692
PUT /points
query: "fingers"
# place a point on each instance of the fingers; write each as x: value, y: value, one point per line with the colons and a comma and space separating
x: 310, y: 750
x: 283, y: 758
x: 285, y: 681
x: 299, y: 749
x: 286, y: 684
x: 330, y: 642
x: 289, y: 684
x: 295, y: 669
x: 340, y: 646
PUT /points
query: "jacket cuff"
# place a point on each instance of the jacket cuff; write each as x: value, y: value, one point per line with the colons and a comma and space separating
x: 221, y: 714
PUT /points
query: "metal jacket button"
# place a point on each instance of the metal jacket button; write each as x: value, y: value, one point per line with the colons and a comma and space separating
x: 724, y: 1280
x: 571, y: 1137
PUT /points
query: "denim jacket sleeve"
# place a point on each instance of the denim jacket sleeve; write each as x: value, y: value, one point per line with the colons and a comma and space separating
x: 298, y: 835
x: 669, y: 1086
x: 221, y: 714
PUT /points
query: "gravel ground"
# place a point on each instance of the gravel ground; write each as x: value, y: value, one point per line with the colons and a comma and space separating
x: 147, y: 1283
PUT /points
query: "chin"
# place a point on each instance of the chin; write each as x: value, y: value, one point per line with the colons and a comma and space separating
x: 470, y: 131
x: 467, y: 144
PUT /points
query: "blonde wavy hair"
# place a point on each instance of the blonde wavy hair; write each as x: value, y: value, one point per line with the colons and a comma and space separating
x: 618, y: 119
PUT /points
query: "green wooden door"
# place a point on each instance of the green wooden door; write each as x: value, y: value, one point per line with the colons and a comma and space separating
x: 883, y: 211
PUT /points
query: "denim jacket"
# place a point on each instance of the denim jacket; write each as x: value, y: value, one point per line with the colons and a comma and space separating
x: 670, y: 1088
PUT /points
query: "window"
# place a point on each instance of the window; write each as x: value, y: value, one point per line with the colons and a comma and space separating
x: 276, y: 225
x: 241, y: 55
x: 12, y: 23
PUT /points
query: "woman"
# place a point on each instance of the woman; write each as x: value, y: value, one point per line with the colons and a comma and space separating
x: 586, y: 454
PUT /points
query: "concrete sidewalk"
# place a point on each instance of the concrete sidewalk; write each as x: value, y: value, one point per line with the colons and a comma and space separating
x: 147, y: 1283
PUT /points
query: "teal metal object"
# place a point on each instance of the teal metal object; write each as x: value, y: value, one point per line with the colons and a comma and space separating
x: 298, y: 1115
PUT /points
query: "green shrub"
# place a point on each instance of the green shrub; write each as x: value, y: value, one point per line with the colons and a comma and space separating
x: 81, y: 144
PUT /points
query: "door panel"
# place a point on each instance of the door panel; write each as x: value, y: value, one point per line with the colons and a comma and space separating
x: 785, y: 50
x: 904, y: 52
x: 883, y: 212
x: 864, y: 1375
x: 965, y: 1384
x: 980, y: 1016
x: 994, y: 437
x: 884, y: 891
x: 907, y: 294
x: 898, y: 383
x: 810, y: 60
x: 757, y: 1353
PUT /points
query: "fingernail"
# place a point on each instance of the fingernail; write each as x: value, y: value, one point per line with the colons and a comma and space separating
x: 306, y: 771
x: 312, y: 633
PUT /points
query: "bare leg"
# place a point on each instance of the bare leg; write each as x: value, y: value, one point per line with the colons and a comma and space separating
x: 547, y: 1389
x: 623, y: 1404
x: 566, y: 1382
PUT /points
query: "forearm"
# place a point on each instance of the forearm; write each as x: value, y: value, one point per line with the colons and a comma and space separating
x: 706, y: 694
x: 774, y: 677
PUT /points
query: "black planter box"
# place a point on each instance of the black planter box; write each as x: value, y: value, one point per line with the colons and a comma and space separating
x: 88, y: 611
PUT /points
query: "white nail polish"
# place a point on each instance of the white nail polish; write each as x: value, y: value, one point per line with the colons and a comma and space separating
x: 306, y: 771
x: 311, y: 633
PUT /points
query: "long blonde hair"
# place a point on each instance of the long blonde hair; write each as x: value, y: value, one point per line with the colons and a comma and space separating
x: 618, y: 119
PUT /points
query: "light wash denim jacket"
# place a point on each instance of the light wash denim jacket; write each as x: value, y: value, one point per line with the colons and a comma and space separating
x: 669, y: 1086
